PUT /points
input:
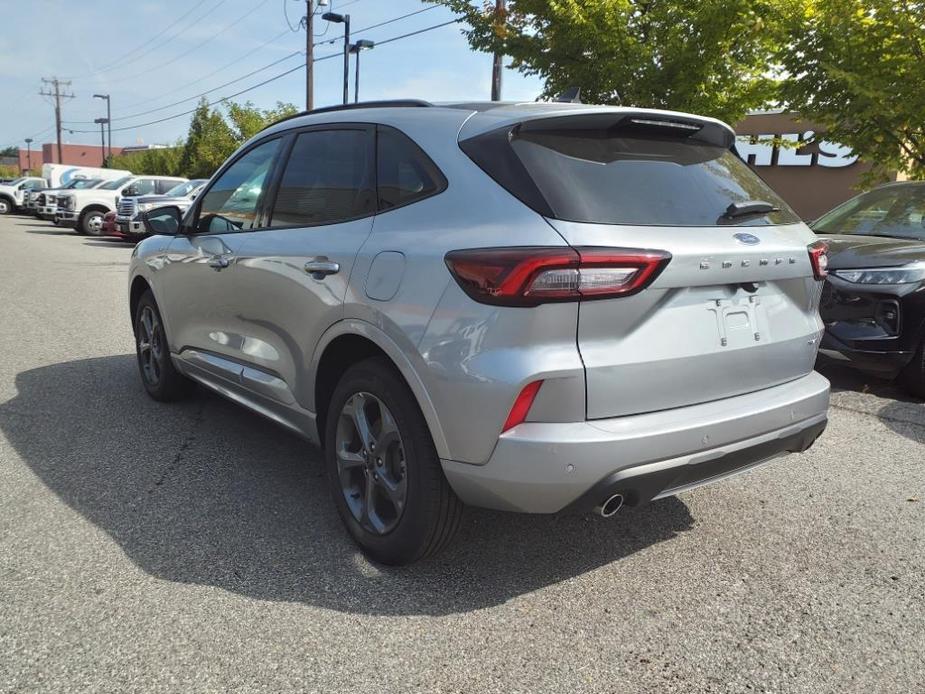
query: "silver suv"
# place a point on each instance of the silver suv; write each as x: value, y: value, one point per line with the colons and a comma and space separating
x: 527, y: 307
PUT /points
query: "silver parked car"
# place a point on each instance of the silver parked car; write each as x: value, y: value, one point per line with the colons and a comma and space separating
x: 527, y: 307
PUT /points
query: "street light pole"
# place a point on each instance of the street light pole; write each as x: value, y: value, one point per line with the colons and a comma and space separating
x: 108, y: 121
x: 28, y: 154
x: 357, y: 48
x: 102, y: 122
x: 345, y: 20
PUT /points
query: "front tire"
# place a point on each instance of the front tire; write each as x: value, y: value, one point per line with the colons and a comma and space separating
x: 6, y: 206
x: 383, y: 469
x: 90, y: 223
x: 158, y: 375
x: 912, y: 378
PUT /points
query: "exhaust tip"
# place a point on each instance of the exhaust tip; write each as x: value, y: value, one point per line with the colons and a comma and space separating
x: 610, y: 506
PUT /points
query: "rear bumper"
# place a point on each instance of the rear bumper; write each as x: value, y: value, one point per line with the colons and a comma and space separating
x: 546, y: 467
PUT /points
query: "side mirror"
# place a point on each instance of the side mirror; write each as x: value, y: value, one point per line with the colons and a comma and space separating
x: 163, y: 221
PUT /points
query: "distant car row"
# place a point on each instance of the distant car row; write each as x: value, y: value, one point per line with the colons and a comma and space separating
x: 83, y: 197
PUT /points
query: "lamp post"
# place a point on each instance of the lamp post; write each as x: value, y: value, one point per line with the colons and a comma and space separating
x: 108, y: 121
x: 29, y: 154
x: 357, y: 48
x: 345, y: 20
x: 102, y: 122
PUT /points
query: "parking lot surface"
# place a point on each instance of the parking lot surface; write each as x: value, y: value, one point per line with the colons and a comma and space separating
x: 193, y: 547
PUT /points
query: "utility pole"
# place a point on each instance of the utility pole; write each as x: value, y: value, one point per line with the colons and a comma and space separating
x: 309, y: 56
x: 497, y: 66
x: 108, y: 156
x: 28, y: 154
x: 57, y: 84
x: 102, y: 123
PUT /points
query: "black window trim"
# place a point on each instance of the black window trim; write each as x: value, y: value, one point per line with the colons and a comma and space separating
x: 188, y: 228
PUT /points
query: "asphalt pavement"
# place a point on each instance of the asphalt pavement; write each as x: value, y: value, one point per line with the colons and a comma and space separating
x: 193, y: 547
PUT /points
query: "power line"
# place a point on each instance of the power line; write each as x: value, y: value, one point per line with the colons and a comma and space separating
x: 265, y: 67
x: 198, y: 46
x: 271, y: 79
x: 125, y: 60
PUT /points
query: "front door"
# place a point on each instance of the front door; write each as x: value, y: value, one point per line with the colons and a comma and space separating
x: 200, y: 268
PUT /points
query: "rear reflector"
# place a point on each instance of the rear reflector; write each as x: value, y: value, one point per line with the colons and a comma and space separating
x: 819, y: 258
x: 522, y: 405
x: 530, y: 276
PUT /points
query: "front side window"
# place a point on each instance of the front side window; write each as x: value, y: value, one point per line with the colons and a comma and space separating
x: 232, y: 202
x: 143, y: 186
x: 895, y: 211
x: 404, y: 173
x: 327, y: 179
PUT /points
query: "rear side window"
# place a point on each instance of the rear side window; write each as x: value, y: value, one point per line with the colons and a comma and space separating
x: 404, y: 173
x: 162, y: 187
x: 327, y: 179
x: 627, y: 175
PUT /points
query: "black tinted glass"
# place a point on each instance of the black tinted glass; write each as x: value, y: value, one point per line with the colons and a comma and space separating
x: 895, y: 211
x: 605, y: 176
x: 327, y: 179
x: 405, y: 173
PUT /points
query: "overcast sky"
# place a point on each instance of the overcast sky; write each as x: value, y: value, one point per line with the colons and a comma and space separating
x: 131, y: 51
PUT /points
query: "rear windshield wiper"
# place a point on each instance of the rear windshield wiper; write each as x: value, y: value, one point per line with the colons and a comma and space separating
x: 747, y: 208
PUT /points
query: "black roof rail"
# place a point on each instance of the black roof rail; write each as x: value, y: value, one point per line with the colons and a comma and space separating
x: 387, y: 103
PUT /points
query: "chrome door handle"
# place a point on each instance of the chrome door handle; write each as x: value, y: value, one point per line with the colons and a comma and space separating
x: 219, y: 262
x: 320, y: 268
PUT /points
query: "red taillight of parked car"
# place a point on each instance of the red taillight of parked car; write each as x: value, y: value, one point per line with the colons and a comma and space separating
x: 530, y: 276
x: 819, y: 258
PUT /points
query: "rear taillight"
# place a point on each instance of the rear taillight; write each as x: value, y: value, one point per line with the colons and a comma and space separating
x: 529, y: 276
x: 819, y: 258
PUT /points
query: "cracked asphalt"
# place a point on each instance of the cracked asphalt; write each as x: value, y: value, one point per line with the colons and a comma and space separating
x: 193, y: 547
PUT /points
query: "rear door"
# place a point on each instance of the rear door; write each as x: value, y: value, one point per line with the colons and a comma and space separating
x: 293, y: 277
x: 734, y: 310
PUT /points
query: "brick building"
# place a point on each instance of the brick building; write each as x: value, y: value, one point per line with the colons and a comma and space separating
x: 75, y: 155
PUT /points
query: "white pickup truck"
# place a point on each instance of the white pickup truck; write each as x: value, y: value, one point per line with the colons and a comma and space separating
x: 84, y: 209
x: 11, y: 194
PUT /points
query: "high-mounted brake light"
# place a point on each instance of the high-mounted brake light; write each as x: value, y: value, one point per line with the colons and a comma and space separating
x: 529, y: 276
x: 819, y: 258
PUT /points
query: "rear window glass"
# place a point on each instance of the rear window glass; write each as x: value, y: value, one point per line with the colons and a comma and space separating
x: 405, y: 174
x: 604, y: 176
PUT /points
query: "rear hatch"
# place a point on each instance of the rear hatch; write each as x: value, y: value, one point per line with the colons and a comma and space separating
x: 735, y: 310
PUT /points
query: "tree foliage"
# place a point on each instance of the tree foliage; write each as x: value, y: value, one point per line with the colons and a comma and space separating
x: 709, y: 57
x: 214, y: 134
x: 857, y: 68
x: 155, y: 162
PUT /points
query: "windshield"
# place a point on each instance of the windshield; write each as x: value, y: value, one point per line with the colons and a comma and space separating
x: 81, y: 183
x: 16, y: 181
x: 183, y: 189
x: 894, y: 211
x: 113, y: 185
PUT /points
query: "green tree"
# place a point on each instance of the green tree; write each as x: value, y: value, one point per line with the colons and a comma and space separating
x: 208, y: 143
x: 11, y: 151
x: 710, y: 57
x: 164, y: 161
x: 246, y: 120
x: 857, y: 68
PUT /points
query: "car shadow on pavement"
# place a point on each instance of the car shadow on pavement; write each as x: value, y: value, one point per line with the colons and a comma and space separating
x: 902, y: 412
x: 205, y: 492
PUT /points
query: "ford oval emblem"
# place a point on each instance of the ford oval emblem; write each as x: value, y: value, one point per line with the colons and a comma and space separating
x: 747, y: 239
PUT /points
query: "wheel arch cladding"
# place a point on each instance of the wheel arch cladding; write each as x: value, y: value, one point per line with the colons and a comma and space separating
x: 139, y: 287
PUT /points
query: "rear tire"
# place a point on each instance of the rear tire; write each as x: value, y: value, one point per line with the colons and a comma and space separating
x: 394, y: 499
x: 158, y: 375
x: 912, y: 378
